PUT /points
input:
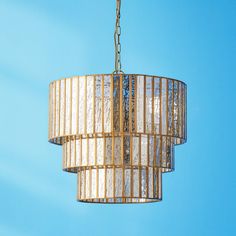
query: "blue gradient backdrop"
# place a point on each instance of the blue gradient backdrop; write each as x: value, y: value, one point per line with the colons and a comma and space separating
x: 193, y: 41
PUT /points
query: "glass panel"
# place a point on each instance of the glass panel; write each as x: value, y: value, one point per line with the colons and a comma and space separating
x: 68, y: 105
x: 57, y: 108
x: 101, y: 177
x: 140, y: 103
x: 164, y: 107
x: 94, y: 183
x: 148, y: 104
x: 84, y: 152
x: 117, y: 150
x: 107, y: 103
x: 90, y: 85
x: 74, y: 104
x: 125, y: 100
x: 109, y: 187
x: 150, y: 182
x: 116, y: 103
x: 100, y: 151
x: 157, y: 105
x: 78, y: 153
x: 135, y: 150
x: 127, y: 150
x: 91, y: 151
x: 136, y: 182
x: 98, y: 105
x: 170, y: 107
x: 144, y: 183
x: 81, y: 104
x: 127, y: 182
x: 118, y: 185
x: 144, y: 145
x: 108, y: 150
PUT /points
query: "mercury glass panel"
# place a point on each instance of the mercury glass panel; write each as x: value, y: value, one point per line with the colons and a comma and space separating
x: 170, y: 107
x: 135, y: 150
x: 107, y: 103
x: 157, y: 105
x: 109, y: 183
x: 148, y: 101
x: 144, y: 147
x: 117, y: 150
x: 127, y: 182
x: 116, y: 103
x: 108, y: 151
x: 118, y: 182
x: 140, y: 104
x: 176, y: 110
x: 98, y: 105
x: 164, y: 106
x: 125, y: 101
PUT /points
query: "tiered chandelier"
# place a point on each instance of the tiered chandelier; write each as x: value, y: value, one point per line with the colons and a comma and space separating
x: 118, y: 131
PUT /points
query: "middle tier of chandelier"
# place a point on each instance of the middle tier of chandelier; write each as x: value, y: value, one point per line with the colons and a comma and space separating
x: 118, y: 133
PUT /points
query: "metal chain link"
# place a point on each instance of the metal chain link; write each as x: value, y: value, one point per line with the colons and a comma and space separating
x: 117, y: 39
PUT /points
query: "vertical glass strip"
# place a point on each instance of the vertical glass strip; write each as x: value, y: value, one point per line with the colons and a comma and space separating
x: 127, y: 183
x: 117, y: 150
x: 157, y: 105
x: 140, y: 104
x: 81, y: 104
x: 164, y: 106
x: 84, y: 152
x: 68, y: 106
x: 125, y: 103
x: 107, y: 103
x: 135, y: 183
x: 94, y: 183
x: 109, y: 183
x: 119, y: 183
x: 170, y: 107
x: 126, y: 150
x: 176, y: 104
x: 78, y: 152
x: 100, y: 150
x: 148, y: 100
x: 91, y: 151
x: 108, y: 151
x: 57, y: 121
x: 116, y: 103
x: 144, y: 183
x: 135, y: 150
x: 144, y: 148
x: 74, y: 105
x: 87, y: 173
x: 98, y: 105
x: 101, y: 180
x: 89, y: 105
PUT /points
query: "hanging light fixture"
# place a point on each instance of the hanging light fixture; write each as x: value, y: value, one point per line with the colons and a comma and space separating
x: 118, y: 131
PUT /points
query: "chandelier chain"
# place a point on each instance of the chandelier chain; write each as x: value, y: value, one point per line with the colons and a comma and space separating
x: 117, y: 39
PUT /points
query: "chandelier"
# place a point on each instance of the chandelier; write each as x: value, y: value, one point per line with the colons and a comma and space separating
x: 118, y: 131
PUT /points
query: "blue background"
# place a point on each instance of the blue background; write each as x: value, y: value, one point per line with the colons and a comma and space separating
x: 44, y: 40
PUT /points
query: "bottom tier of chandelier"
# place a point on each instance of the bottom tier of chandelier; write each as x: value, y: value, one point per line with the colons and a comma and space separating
x: 119, y: 184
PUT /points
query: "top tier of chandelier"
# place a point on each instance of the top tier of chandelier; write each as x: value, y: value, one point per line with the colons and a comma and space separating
x: 118, y: 133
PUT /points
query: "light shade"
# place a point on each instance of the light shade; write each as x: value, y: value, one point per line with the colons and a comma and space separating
x: 118, y: 133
